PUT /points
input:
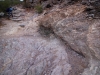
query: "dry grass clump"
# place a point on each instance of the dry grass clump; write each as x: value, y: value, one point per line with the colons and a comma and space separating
x: 45, y: 30
x: 39, y: 8
x: 1, y: 23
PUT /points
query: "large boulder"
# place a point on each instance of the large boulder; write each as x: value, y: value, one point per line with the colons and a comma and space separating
x: 74, y: 31
x: 93, y: 39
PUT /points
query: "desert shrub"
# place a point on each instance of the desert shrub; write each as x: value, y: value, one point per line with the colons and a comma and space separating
x: 39, y: 8
x: 45, y: 30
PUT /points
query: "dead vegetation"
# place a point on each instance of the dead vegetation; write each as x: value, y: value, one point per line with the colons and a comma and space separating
x: 1, y: 24
x: 45, y: 31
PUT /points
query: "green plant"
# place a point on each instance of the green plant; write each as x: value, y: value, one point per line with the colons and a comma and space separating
x: 5, y: 4
x: 39, y: 8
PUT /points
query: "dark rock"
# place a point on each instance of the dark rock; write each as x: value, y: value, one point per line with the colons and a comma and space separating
x: 22, y: 26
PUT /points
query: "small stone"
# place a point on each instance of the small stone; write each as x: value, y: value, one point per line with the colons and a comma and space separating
x: 22, y: 26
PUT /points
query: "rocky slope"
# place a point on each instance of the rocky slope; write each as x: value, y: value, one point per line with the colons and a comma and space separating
x: 80, y: 33
x: 60, y: 41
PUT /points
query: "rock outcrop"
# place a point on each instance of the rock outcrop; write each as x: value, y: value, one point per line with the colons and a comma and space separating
x: 60, y: 41
x: 80, y: 33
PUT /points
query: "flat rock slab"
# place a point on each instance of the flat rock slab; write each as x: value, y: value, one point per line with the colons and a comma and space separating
x: 33, y: 56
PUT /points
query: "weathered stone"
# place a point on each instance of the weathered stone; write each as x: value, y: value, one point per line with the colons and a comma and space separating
x: 74, y: 32
x: 33, y: 56
x: 22, y: 26
x: 74, y: 44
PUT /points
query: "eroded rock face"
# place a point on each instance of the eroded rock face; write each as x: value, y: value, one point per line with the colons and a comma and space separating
x: 94, y: 38
x: 69, y: 26
x: 74, y: 31
x: 83, y: 37
x: 73, y: 44
x: 81, y: 34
